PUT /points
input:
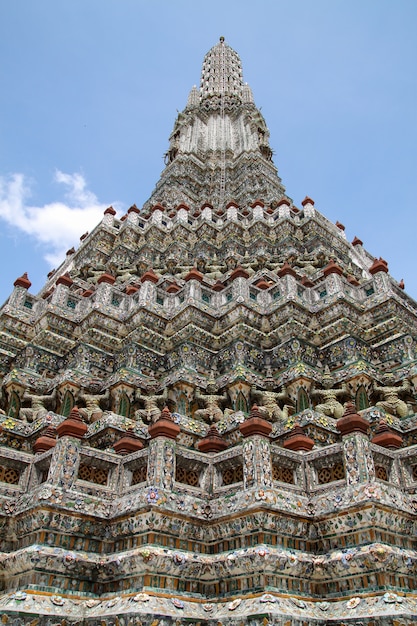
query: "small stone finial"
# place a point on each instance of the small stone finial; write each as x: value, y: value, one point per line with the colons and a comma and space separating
x: 255, y: 424
x: 46, y: 441
x: 194, y: 274
x: 307, y: 200
x: 23, y: 281
x: 306, y: 282
x: 150, y: 276
x: 110, y: 211
x: 106, y: 278
x: 193, y: 97
x: 298, y: 441
x: 332, y: 268
x: 379, y: 265
x: 386, y: 437
x: 286, y: 270
x: 212, y: 442
x: 218, y: 286
x: 127, y: 444
x: 164, y: 426
x: 239, y: 272
x: 72, y: 426
x: 173, y: 287
x: 357, y: 242
x: 352, y: 422
x: 401, y: 284
x: 65, y: 280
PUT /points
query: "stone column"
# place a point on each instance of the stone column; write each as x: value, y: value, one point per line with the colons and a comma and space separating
x: 357, y: 453
x: 147, y: 292
x: 60, y: 295
x: 379, y: 271
x: 257, y: 464
x: 108, y: 218
x: 19, y: 294
x: 308, y: 205
x: 194, y: 279
x: 284, y: 208
x: 65, y: 460
x: 133, y: 215
x: 161, y: 458
x: 240, y: 288
x: 333, y: 275
x: 288, y: 281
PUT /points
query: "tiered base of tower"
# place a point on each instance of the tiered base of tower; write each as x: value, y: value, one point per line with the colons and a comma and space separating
x: 209, y: 412
x: 255, y: 534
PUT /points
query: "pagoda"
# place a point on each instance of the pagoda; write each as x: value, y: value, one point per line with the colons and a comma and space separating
x: 208, y: 412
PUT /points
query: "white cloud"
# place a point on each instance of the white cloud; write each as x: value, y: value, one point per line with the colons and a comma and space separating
x: 57, y: 225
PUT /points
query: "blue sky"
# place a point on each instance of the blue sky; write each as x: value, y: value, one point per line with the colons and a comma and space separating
x: 89, y: 91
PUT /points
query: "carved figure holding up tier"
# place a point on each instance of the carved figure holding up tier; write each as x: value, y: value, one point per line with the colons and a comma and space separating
x: 391, y: 402
x: 37, y: 408
x: 330, y: 405
x: 151, y: 412
x: 268, y: 404
x: 212, y: 401
x: 92, y: 410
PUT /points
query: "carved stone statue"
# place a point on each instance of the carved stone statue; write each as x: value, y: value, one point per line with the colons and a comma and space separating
x: 212, y: 401
x: 151, y: 412
x: 391, y: 402
x: 330, y: 405
x: 268, y: 404
x: 37, y: 408
x: 92, y: 410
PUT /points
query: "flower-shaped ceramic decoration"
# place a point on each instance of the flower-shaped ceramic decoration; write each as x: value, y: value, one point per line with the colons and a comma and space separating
x: 179, y: 559
x: 141, y: 597
x: 390, y: 598
x: 20, y: 595
x: 353, y: 603
x: 234, y: 604
x: 179, y: 604
x: 152, y: 496
x: 90, y: 604
x: 268, y: 597
x: 58, y: 600
x: 299, y: 603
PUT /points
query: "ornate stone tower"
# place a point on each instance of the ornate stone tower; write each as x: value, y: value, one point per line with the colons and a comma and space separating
x: 210, y: 407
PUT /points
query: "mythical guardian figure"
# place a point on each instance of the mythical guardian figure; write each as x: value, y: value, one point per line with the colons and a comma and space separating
x: 153, y: 401
x: 330, y: 405
x: 212, y: 401
x: 92, y: 410
x: 391, y: 402
x: 268, y: 404
x: 37, y: 408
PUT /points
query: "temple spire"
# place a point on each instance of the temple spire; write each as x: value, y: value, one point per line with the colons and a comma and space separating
x: 219, y: 148
x: 221, y: 73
